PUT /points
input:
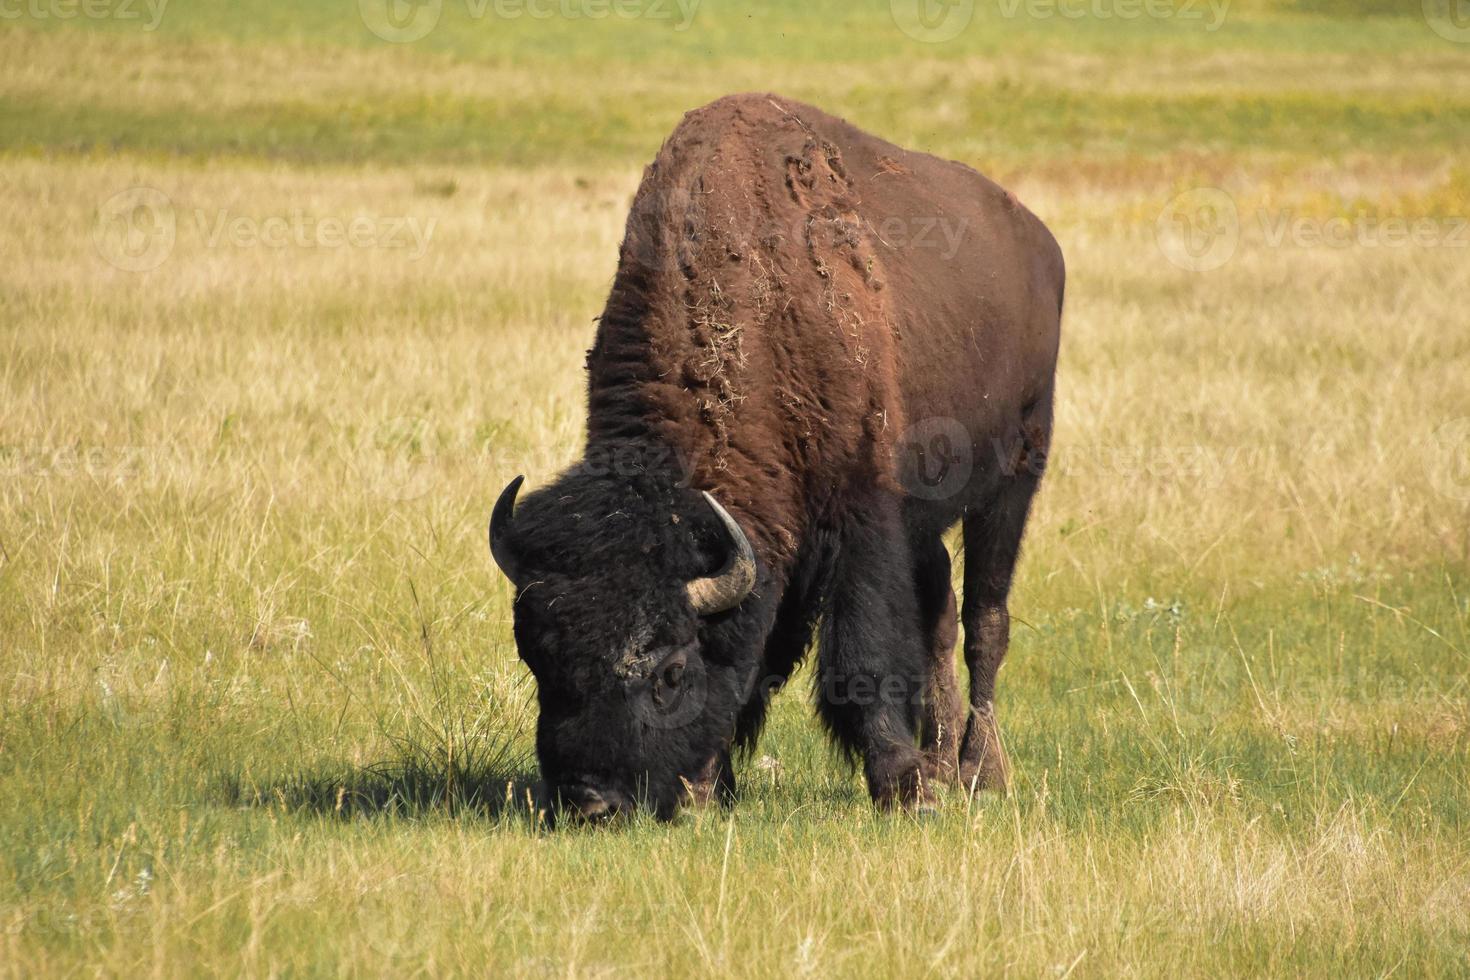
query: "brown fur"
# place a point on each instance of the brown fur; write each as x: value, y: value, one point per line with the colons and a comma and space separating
x: 798, y: 305
x: 781, y: 344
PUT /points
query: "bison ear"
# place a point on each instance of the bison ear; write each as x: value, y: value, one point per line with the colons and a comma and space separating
x: 500, y: 519
x: 728, y: 587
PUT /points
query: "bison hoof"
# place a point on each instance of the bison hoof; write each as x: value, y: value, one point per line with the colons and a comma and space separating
x: 987, y: 772
x: 985, y: 777
x: 983, y: 763
x: 908, y: 789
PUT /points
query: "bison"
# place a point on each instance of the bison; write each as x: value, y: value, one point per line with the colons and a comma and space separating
x: 820, y: 352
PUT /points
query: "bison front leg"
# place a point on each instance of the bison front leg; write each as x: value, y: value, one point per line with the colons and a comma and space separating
x: 713, y: 783
x: 871, y: 669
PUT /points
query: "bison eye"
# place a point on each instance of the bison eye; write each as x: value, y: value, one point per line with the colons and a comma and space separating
x: 669, y: 676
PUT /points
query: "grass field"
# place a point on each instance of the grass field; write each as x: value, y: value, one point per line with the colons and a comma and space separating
x: 283, y: 306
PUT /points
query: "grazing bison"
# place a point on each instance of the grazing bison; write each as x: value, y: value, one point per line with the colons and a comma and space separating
x: 820, y: 352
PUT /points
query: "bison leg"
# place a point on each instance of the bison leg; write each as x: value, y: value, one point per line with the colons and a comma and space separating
x: 941, y: 716
x: 714, y: 783
x: 790, y: 638
x: 992, y: 544
x: 871, y: 663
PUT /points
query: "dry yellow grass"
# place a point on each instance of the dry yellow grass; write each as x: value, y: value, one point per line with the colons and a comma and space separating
x: 259, y: 709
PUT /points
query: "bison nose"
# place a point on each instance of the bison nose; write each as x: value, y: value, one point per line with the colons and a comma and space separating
x: 596, y: 805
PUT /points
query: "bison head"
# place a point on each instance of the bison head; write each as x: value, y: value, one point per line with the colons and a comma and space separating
x: 621, y: 586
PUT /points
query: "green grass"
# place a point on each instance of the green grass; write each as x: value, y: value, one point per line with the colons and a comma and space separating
x: 1005, y: 123
x: 259, y: 707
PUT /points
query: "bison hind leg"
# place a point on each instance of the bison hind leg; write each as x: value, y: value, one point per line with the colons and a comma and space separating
x: 992, y: 545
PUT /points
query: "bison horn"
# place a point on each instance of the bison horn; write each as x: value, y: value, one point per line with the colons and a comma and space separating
x: 500, y: 527
x: 727, y: 588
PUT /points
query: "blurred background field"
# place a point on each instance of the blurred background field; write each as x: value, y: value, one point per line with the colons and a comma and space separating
x: 259, y: 707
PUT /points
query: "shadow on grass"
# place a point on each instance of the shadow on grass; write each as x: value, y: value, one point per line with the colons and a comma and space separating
x: 489, y: 782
